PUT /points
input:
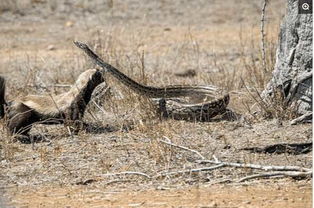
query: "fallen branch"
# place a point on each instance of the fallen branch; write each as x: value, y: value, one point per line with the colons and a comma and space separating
x: 306, y: 118
x: 285, y: 171
x: 254, y: 166
x: 195, y: 170
x: 182, y: 147
x: 280, y: 174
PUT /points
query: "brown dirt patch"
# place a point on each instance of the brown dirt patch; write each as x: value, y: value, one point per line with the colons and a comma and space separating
x: 296, y: 195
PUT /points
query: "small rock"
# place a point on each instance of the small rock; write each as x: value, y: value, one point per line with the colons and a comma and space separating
x: 51, y: 47
x: 69, y: 24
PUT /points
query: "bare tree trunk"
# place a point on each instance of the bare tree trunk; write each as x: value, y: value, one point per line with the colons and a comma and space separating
x: 293, y: 68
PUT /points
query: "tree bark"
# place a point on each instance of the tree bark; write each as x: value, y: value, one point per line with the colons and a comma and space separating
x: 293, y: 69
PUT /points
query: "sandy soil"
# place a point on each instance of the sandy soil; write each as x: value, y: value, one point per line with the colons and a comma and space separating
x: 268, y: 195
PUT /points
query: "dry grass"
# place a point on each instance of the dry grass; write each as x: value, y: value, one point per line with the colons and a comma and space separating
x: 246, y: 79
x: 145, y: 42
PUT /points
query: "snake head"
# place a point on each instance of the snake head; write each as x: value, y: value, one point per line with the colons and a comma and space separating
x: 80, y: 45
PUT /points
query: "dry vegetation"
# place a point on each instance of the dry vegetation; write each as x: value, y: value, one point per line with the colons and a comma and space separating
x: 151, y: 41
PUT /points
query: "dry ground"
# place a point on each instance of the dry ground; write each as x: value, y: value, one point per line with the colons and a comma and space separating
x: 258, y: 195
x: 150, y: 41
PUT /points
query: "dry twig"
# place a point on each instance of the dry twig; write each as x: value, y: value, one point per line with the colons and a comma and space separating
x: 284, y: 171
x: 127, y: 173
x: 195, y: 170
x: 278, y: 174
x: 263, y: 35
x: 306, y: 118
x: 181, y: 147
x: 254, y: 166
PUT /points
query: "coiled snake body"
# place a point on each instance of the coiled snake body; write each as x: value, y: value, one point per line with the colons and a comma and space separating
x: 169, y: 99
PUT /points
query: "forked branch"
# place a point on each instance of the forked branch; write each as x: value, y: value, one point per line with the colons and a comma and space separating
x: 279, y: 171
x: 255, y: 166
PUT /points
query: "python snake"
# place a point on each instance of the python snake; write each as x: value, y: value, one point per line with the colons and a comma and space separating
x: 168, y: 99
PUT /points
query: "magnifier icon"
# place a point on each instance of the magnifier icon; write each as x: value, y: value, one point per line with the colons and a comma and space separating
x: 305, y: 6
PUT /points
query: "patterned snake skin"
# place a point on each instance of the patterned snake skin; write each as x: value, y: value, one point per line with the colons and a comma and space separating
x: 169, y: 99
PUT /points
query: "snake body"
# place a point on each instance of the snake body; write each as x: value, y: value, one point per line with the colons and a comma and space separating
x: 169, y: 99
